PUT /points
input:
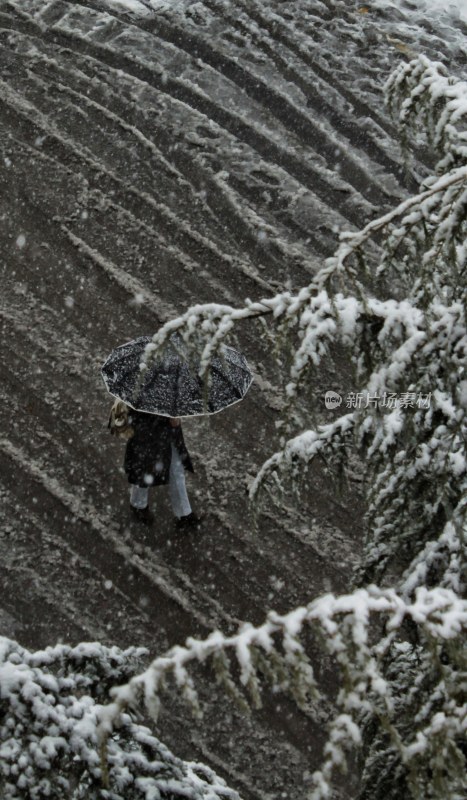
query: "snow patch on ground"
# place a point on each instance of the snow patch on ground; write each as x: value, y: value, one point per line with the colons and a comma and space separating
x: 456, y: 8
x: 133, y: 6
x: 145, y: 8
x: 453, y: 8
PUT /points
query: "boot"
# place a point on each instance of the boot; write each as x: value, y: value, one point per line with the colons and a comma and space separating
x: 189, y: 521
x: 143, y: 515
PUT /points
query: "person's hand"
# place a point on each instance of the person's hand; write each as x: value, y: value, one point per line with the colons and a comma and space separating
x: 174, y: 422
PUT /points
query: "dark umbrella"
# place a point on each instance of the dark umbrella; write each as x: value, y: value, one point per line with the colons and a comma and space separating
x: 171, y: 386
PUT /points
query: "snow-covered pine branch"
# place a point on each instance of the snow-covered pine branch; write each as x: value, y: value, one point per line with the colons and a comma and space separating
x: 426, y: 100
x: 343, y: 627
x: 429, y: 243
x: 50, y: 707
x: 302, y: 449
x: 423, y: 683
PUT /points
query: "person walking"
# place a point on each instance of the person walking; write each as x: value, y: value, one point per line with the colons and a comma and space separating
x: 152, y: 391
x: 155, y: 455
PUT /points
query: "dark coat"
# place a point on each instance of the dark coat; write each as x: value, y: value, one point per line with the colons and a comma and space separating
x: 149, y: 453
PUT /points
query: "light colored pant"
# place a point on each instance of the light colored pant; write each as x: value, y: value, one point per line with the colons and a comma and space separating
x: 177, y: 489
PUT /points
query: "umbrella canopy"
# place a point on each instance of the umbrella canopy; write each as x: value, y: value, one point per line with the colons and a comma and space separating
x: 171, y: 386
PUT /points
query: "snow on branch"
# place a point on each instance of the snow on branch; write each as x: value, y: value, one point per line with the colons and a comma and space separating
x: 50, y: 707
x: 303, y: 448
x: 425, y: 98
x: 429, y: 241
x: 342, y: 625
x: 415, y: 209
x: 444, y: 556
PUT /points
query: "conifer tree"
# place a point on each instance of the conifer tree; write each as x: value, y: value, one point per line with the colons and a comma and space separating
x: 50, y: 709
